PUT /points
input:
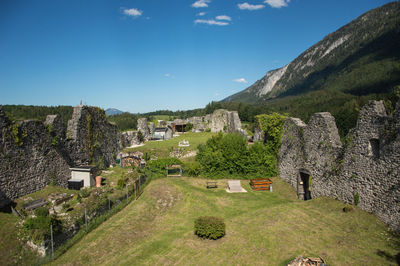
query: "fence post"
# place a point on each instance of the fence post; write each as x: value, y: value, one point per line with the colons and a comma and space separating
x: 86, y: 219
x: 134, y: 186
x: 127, y: 192
x: 52, y: 242
x: 140, y: 177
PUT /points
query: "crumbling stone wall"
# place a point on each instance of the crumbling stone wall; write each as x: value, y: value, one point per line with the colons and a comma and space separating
x: 367, y: 165
x: 128, y: 139
x: 225, y: 121
x: 143, y: 127
x: 30, y: 159
x: 34, y: 154
x: 91, y: 139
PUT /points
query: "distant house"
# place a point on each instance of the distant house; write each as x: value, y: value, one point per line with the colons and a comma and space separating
x: 86, y: 173
x: 162, y: 133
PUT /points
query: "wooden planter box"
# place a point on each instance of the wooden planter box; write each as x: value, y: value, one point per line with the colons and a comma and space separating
x: 260, y: 183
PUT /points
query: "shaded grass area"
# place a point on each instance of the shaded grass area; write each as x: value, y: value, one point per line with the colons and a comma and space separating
x: 261, y: 228
x: 12, y: 250
x: 162, y: 149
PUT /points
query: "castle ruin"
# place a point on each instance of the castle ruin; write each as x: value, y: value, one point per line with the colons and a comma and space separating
x: 364, y: 170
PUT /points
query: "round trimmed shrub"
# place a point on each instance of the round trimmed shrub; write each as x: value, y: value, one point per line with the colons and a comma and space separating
x: 209, y: 227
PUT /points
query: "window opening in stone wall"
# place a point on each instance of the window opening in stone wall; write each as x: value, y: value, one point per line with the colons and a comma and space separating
x: 373, y: 148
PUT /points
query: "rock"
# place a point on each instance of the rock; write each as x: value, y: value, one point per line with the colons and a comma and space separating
x: 128, y: 139
x: 225, y: 121
x: 142, y: 127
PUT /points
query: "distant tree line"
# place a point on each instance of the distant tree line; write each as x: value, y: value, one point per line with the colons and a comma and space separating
x: 124, y: 121
x: 24, y: 112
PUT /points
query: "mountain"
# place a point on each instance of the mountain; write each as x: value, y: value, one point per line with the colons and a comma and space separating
x: 113, y: 111
x: 361, y: 58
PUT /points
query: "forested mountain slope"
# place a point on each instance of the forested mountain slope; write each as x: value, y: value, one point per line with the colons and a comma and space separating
x: 361, y: 58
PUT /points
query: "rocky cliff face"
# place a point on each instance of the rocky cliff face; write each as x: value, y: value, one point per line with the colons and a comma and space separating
x: 34, y: 154
x: 366, y: 166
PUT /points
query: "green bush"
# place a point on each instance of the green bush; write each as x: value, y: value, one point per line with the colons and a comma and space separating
x: 39, y: 227
x: 230, y: 155
x: 158, y: 167
x: 84, y: 193
x: 42, y: 212
x: 121, y: 183
x: 209, y: 227
x: 188, y: 127
x: 192, y: 169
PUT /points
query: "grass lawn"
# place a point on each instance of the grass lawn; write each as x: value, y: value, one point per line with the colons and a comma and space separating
x: 261, y: 228
x: 12, y: 250
x: 162, y: 149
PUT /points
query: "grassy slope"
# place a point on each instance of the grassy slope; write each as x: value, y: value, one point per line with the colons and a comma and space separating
x: 262, y: 228
x: 163, y: 148
x: 12, y: 250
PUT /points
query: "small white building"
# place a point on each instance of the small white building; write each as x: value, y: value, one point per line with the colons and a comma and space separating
x: 86, y: 173
x: 162, y: 133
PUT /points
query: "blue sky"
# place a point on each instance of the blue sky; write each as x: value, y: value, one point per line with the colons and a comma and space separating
x: 147, y: 55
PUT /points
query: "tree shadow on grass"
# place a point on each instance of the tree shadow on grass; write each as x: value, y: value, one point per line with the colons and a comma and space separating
x: 395, y: 245
x: 389, y: 257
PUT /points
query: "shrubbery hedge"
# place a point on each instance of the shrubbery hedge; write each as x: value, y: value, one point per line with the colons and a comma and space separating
x: 209, y: 227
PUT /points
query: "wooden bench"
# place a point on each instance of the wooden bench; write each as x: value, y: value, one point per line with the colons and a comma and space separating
x: 260, y: 183
x: 34, y: 204
x: 212, y: 184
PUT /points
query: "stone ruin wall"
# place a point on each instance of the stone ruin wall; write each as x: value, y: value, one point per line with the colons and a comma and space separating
x: 33, y: 154
x: 90, y: 138
x: 368, y: 164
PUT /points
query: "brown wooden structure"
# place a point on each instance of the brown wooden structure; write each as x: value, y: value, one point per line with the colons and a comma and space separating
x: 261, y: 184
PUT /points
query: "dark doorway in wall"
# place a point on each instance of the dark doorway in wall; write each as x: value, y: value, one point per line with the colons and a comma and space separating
x: 305, y: 183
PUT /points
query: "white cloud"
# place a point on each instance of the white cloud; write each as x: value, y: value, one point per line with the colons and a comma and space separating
x: 277, y: 3
x: 224, y: 17
x: 133, y: 12
x: 211, y: 22
x: 201, y: 14
x: 168, y: 75
x: 201, y: 3
x: 241, y: 80
x: 247, y: 6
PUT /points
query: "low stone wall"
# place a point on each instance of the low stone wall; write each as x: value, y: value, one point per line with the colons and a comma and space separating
x: 367, y: 166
